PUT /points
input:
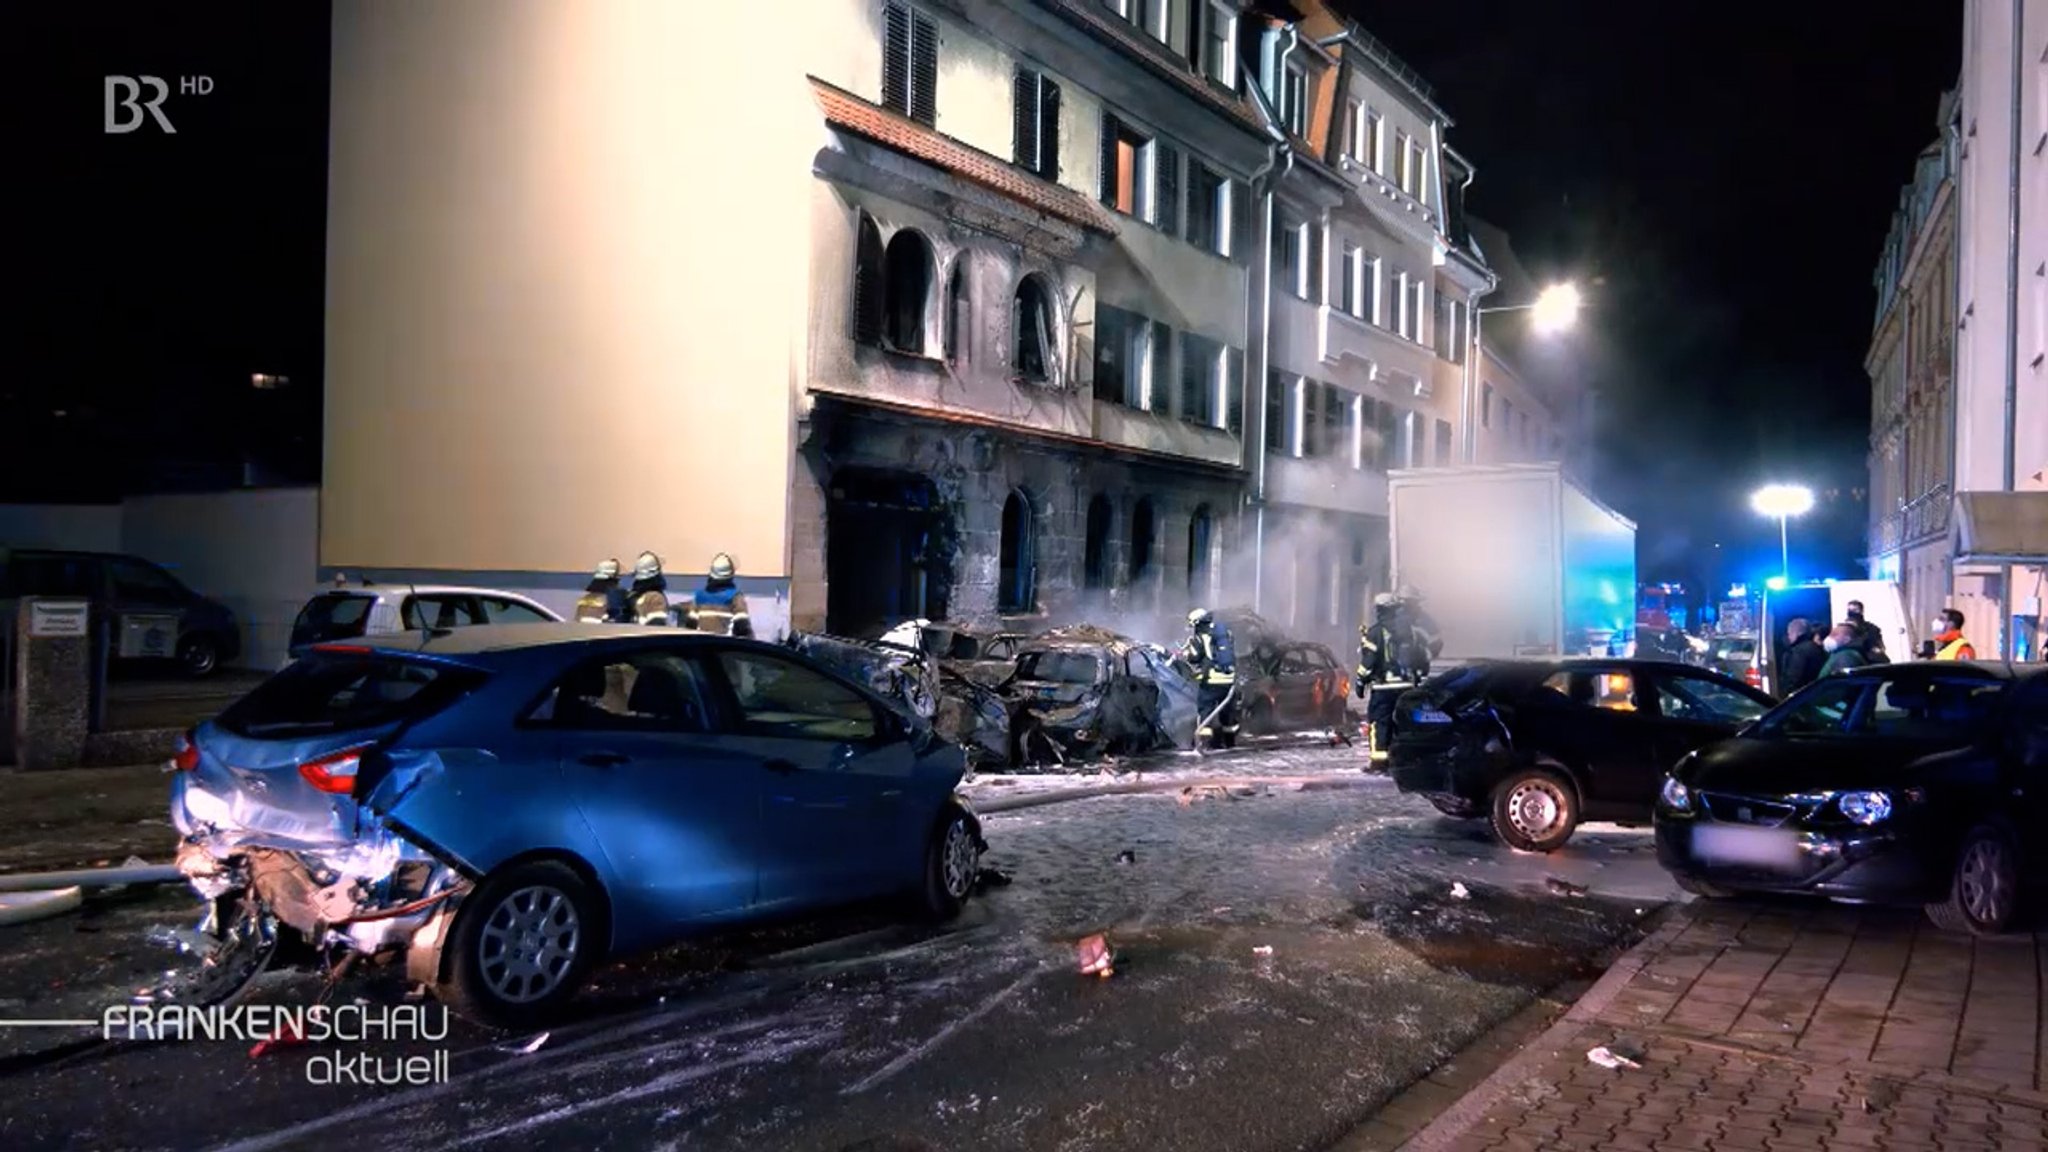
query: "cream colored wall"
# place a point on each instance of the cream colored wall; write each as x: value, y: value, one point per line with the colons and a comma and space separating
x: 561, y: 259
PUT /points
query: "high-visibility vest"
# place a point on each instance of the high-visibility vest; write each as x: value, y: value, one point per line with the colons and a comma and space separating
x: 1953, y: 650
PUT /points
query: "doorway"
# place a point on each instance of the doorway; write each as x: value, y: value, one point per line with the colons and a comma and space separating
x: 882, y: 533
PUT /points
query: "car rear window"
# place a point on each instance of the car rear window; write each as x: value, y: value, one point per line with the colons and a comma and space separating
x: 346, y: 692
x: 334, y: 616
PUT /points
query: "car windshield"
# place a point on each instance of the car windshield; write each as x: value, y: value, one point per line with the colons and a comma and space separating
x: 335, y: 616
x: 344, y: 692
x: 1059, y: 667
x: 1920, y: 709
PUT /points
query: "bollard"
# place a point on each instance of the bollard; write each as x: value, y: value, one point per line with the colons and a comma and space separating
x: 52, y: 682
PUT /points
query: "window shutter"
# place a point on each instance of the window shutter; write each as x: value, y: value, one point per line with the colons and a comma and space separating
x: 1198, y: 22
x: 1109, y: 133
x: 924, y: 70
x: 896, y: 58
x: 1241, y: 221
x: 1191, y: 377
x: 1048, y: 129
x: 1233, y: 392
x: 1162, y: 368
x: 1317, y: 285
x: 1024, y: 117
x: 1166, y: 185
x: 867, y: 281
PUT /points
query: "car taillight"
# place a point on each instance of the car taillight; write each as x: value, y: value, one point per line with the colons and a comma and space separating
x: 335, y: 773
x: 187, y: 757
x: 1754, y: 676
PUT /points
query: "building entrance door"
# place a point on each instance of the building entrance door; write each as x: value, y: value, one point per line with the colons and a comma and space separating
x: 881, y: 528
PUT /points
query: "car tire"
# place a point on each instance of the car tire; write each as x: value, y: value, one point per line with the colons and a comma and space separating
x: 1535, y: 810
x: 1983, y: 889
x: 522, y: 945
x: 1701, y: 888
x: 1456, y: 807
x: 199, y: 656
x: 952, y: 862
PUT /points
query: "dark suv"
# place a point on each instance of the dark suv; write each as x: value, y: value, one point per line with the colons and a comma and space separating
x: 153, y: 615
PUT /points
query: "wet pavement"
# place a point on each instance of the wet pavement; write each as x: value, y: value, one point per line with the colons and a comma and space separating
x: 1287, y: 961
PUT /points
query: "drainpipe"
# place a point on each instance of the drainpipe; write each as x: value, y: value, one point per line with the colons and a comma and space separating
x: 1472, y: 354
x: 2012, y: 319
x: 1955, y: 278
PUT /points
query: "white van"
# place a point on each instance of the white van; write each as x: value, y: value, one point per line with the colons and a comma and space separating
x: 1825, y: 605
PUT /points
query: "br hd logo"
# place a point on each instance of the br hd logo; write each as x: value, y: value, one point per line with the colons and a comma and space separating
x: 127, y: 110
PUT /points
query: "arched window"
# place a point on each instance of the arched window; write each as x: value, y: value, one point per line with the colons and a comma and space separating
x: 1034, y: 353
x: 1144, y: 527
x: 1201, y: 527
x: 958, y: 312
x: 1095, y: 545
x: 867, y: 281
x: 1016, y: 590
x: 906, y: 291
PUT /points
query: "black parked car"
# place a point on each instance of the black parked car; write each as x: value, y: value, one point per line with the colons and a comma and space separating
x: 153, y: 614
x: 1538, y: 746
x: 1906, y: 784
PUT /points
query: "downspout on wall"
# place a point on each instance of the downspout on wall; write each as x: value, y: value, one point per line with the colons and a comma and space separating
x: 2009, y: 475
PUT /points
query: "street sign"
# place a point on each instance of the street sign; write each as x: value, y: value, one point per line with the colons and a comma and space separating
x: 57, y: 618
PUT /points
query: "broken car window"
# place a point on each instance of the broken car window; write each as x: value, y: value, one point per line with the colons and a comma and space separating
x: 1060, y: 667
x: 1704, y: 701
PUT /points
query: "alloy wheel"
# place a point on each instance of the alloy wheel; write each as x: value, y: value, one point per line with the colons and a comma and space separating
x: 1985, y: 881
x: 957, y: 859
x: 530, y: 943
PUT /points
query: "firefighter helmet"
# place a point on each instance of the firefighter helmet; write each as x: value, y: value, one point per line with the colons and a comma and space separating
x: 647, y: 567
x: 609, y: 570
x: 1410, y: 594
x: 1200, y: 618
x: 722, y: 567
x: 1386, y: 600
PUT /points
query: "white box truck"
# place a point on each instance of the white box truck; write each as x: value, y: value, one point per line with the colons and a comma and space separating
x: 1514, y: 560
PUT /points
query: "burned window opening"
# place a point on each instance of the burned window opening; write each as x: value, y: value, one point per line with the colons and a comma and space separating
x: 906, y: 291
x: 890, y: 543
x: 1034, y: 355
x: 1201, y: 530
x: 1144, y: 529
x: 959, y: 311
x: 1017, y: 574
x: 1095, y: 546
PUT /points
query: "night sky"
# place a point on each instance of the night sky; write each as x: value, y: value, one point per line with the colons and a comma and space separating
x: 1717, y: 176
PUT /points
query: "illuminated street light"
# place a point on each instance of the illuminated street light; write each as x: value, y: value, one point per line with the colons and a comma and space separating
x: 1783, y: 501
x: 1556, y: 310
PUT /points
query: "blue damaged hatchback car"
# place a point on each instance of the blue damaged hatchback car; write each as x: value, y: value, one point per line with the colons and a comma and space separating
x: 507, y: 805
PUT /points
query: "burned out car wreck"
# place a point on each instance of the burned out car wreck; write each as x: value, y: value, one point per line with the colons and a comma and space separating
x: 1070, y: 694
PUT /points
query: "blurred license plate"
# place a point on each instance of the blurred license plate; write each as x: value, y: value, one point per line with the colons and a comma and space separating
x: 1757, y: 847
x: 1430, y: 716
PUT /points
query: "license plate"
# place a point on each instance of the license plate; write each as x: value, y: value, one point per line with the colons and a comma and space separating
x: 1756, y: 847
x: 1430, y: 716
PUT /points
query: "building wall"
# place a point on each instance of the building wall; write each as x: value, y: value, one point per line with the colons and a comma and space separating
x: 561, y: 257
x: 79, y: 527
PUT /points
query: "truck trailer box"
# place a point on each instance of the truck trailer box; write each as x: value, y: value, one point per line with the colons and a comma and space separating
x: 1514, y: 560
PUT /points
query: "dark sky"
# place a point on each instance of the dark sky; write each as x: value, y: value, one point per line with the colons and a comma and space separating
x: 1722, y: 176
x: 1718, y: 175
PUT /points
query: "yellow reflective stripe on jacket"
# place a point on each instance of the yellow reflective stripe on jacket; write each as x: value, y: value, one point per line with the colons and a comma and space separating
x: 1953, y: 650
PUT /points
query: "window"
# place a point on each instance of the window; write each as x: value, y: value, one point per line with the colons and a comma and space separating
x: 1507, y: 421
x: 1418, y: 309
x: 1375, y: 307
x: 1095, y: 545
x: 1450, y: 328
x: 1413, y: 179
x: 1149, y: 15
x: 1294, y: 99
x: 1201, y: 528
x: 1387, y: 425
x: 1353, y: 139
x: 1348, y: 276
x: 959, y: 311
x: 1374, y: 142
x: 1402, y: 154
x: 1411, y: 438
x: 334, y: 616
x: 1219, y: 42
x: 910, y: 63
x: 1034, y: 351
x: 1486, y: 405
x: 1354, y: 434
x: 906, y: 291
x: 1208, y: 209
x: 330, y: 693
x: 1308, y: 409
x: 1276, y: 412
x: 1126, y: 169
x: 420, y: 613
x: 1289, y: 267
x: 1159, y: 369
x: 1233, y: 391
x: 1201, y: 379
x: 1372, y: 452
x: 1144, y: 526
x: 1611, y: 691
x: 1821, y: 709
x: 1123, y: 355
x: 1017, y: 574
x: 1334, y: 420
x: 778, y: 697
x: 1061, y: 666
x: 1703, y: 701
x: 1035, y: 112
x: 137, y: 580
x: 1443, y: 442
x: 1166, y: 187
x: 640, y: 691
x: 501, y: 611
x: 1403, y: 322
x: 867, y: 281
x: 1939, y: 710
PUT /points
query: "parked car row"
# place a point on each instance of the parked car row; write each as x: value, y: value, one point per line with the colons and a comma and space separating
x: 1918, y: 784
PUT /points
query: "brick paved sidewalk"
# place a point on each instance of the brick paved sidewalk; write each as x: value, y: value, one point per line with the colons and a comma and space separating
x: 1784, y: 1027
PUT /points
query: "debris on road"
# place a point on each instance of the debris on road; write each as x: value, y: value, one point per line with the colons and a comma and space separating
x: 1127, y: 857
x: 1608, y: 1058
x: 991, y: 878
x: 1564, y: 888
x: 1096, y: 957
x: 533, y: 1045
x: 1459, y: 891
x: 1263, y: 950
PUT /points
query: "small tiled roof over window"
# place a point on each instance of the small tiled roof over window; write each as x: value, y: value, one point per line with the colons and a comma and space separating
x: 849, y: 113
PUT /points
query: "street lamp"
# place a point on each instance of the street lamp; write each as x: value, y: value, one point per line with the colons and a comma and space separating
x: 1556, y: 309
x: 1783, y: 501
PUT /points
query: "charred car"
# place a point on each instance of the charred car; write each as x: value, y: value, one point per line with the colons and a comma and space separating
x: 1082, y: 692
x: 1291, y: 687
x: 958, y: 700
x: 502, y: 807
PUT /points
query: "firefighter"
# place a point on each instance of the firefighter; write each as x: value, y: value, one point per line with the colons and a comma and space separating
x: 603, y: 601
x: 1422, y: 629
x: 1211, y: 655
x: 719, y: 606
x: 1387, y: 651
x: 649, y: 594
